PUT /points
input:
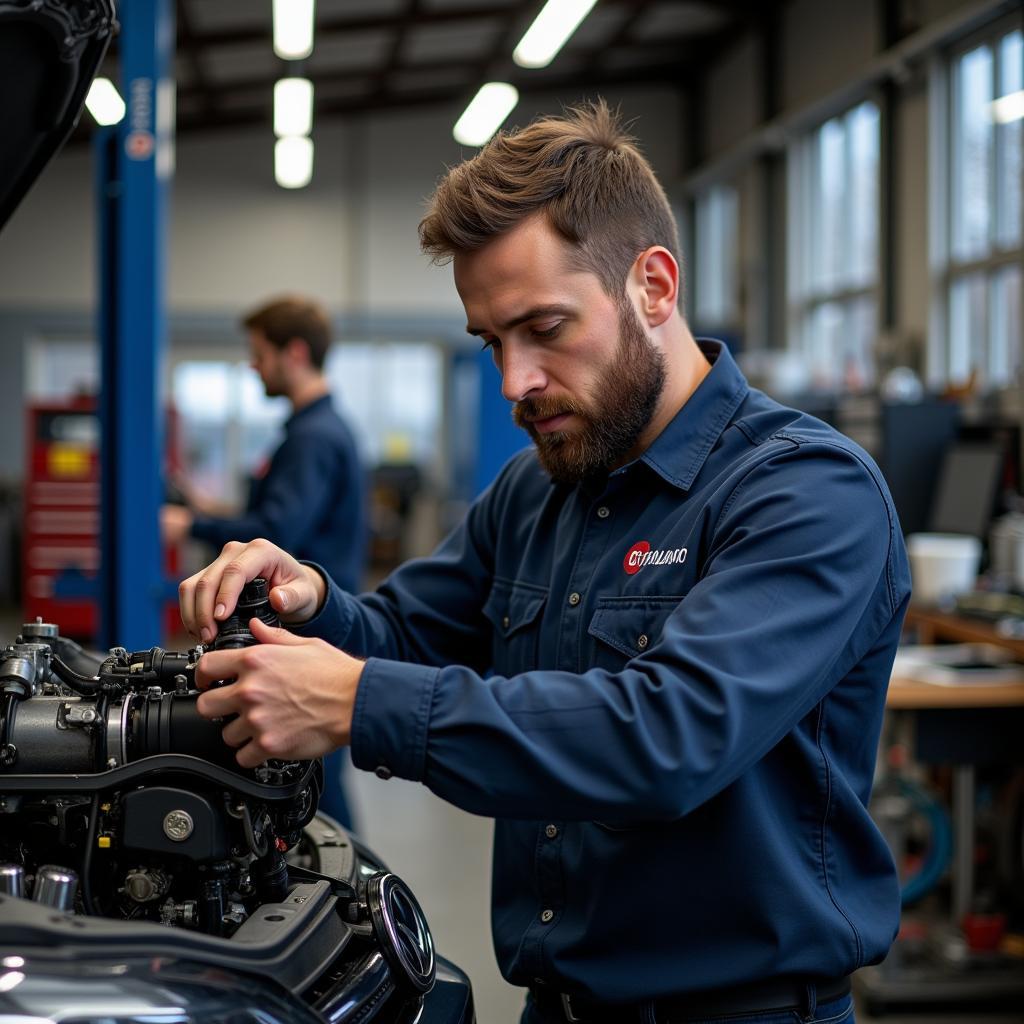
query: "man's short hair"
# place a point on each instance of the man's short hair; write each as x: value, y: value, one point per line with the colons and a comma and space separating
x: 582, y: 170
x: 292, y: 317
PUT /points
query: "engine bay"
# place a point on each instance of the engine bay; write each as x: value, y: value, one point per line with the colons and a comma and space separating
x: 126, y: 822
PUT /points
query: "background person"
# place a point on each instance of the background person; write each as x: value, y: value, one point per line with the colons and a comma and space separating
x: 310, y: 498
x: 657, y: 648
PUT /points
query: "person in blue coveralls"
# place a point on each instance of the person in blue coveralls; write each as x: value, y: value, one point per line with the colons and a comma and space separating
x: 656, y: 649
x: 310, y: 497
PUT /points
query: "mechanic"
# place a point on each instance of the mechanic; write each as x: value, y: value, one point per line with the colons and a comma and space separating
x: 309, y: 498
x: 657, y: 648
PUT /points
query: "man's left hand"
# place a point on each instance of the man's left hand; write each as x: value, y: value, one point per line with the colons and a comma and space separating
x: 293, y: 696
x: 175, y: 523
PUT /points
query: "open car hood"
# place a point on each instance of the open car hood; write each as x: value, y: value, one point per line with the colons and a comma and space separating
x: 50, y: 51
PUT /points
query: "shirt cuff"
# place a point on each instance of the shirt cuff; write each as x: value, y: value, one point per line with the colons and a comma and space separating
x: 391, y: 720
x: 205, y: 528
x: 333, y: 621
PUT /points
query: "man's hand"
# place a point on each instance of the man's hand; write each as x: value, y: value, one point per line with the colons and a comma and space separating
x: 210, y: 596
x: 293, y: 696
x: 175, y: 523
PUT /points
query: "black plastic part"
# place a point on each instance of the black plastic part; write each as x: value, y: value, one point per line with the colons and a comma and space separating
x: 161, y: 763
x: 50, y: 51
x: 146, y: 810
x: 253, y: 603
x: 45, y: 744
x: 171, y: 724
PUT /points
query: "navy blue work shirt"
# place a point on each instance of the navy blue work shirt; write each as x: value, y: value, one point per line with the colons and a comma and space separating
x: 312, y: 499
x: 667, y: 686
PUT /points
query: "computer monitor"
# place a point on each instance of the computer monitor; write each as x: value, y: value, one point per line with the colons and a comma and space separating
x: 969, y: 488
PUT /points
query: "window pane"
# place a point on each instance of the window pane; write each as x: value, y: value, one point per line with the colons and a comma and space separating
x: 972, y: 133
x: 863, y: 196
x: 824, y: 343
x: 202, y: 398
x: 1009, y: 166
x: 716, y: 301
x: 831, y: 187
x: 1004, y: 349
x: 392, y: 395
x: 58, y: 369
x: 858, y: 344
x: 967, y: 328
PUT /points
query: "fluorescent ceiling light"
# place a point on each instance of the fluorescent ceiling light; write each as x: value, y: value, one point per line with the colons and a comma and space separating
x: 293, y: 106
x: 1009, y: 107
x: 293, y: 161
x: 293, y: 29
x: 104, y: 102
x: 486, y: 110
x: 550, y: 29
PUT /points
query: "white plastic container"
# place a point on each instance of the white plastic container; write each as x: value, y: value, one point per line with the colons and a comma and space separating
x: 942, y: 565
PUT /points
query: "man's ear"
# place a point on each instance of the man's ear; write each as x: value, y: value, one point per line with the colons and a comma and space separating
x: 298, y: 351
x: 656, y: 274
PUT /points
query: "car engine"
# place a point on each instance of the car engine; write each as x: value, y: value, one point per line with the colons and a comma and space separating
x: 120, y: 804
x: 115, y: 768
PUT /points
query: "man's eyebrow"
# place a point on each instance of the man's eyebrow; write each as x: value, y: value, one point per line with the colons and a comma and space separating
x: 531, y: 314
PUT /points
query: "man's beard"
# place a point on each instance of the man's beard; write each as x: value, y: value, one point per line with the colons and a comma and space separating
x: 617, y: 408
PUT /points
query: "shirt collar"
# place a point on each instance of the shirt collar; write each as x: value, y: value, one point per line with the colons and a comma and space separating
x: 679, y: 451
x: 309, y: 407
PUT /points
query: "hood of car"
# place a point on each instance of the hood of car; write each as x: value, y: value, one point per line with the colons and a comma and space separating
x: 50, y: 51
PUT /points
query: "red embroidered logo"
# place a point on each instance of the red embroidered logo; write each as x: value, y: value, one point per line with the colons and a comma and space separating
x: 635, y: 556
x: 640, y: 554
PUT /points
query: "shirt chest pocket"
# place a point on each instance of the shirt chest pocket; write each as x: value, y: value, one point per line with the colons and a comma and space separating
x: 622, y: 628
x: 514, y: 611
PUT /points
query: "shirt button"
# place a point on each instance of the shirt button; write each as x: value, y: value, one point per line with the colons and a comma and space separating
x: 505, y: 622
x: 604, y: 512
x: 382, y: 771
x: 546, y: 915
x: 574, y: 599
x: 642, y: 641
x: 551, y: 831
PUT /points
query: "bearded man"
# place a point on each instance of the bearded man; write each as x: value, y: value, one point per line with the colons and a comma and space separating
x: 656, y: 650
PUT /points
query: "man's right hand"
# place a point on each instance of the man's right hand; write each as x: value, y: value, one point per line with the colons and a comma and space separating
x: 207, y: 598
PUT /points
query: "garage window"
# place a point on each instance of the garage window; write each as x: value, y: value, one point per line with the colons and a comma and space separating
x: 977, y: 174
x: 833, y: 182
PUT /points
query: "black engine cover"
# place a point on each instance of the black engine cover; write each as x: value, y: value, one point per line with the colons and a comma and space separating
x: 166, y: 820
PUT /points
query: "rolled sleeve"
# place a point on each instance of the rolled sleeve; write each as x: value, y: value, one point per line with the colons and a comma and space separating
x: 391, y: 718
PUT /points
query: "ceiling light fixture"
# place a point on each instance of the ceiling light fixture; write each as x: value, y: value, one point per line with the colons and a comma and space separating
x: 549, y: 32
x: 104, y: 102
x: 293, y: 107
x: 293, y: 29
x: 485, y: 113
x: 293, y: 161
x: 1009, y: 107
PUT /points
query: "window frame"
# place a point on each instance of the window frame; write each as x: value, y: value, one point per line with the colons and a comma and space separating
x: 805, y: 297
x: 946, y: 270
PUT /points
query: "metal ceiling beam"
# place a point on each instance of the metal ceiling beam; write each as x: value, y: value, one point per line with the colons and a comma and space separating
x: 364, y: 23
x: 393, y: 61
x: 189, y: 47
x: 688, y: 49
x: 667, y: 74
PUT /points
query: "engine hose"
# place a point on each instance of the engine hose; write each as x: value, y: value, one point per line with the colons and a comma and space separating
x: 940, y: 849
x: 88, y: 686
x: 250, y: 836
x: 90, y: 843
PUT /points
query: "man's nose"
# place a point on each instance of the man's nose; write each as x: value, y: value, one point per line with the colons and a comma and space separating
x: 521, y: 375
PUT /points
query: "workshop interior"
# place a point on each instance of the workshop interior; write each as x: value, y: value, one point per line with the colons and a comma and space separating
x: 848, y: 181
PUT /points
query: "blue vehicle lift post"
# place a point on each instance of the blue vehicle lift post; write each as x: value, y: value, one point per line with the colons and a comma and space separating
x: 134, y: 165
